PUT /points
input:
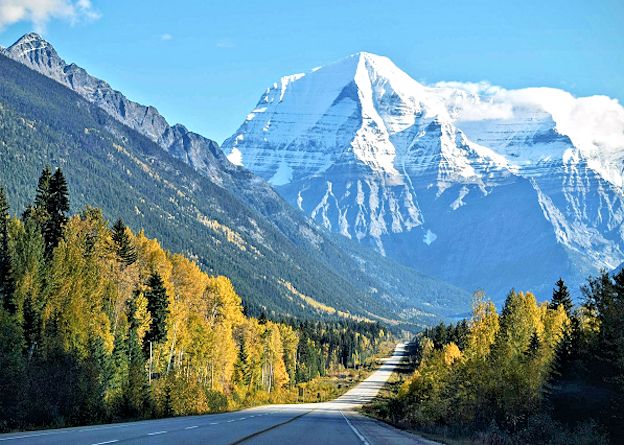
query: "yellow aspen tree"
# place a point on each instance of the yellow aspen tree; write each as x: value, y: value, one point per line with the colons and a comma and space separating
x: 290, y: 343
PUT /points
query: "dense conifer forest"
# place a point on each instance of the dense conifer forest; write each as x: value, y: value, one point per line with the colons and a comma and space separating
x: 99, y: 324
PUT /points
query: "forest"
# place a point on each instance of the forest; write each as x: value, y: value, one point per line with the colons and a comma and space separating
x: 100, y: 324
x: 547, y: 373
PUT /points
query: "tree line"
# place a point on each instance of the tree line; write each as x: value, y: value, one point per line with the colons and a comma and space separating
x: 545, y: 373
x: 100, y: 324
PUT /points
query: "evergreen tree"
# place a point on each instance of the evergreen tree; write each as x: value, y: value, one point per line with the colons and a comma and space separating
x: 561, y: 297
x: 57, y: 208
x: 124, y: 249
x: 534, y: 346
x: 43, y: 189
x: 7, y: 278
x: 12, y: 373
x: 158, y: 307
x: 50, y: 207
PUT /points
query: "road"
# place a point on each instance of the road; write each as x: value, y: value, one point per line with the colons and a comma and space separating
x: 328, y: 423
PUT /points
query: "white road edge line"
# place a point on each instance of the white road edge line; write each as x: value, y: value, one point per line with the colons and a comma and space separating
x: 108, y: 441
x: 26, y: 436
x: 191, y: 427
x: 156, y: 433
x: 357, y: 433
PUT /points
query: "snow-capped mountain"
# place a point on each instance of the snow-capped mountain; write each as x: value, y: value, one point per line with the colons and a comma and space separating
x: 482, y: 186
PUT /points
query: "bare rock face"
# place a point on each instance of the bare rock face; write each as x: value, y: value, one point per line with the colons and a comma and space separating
x: 481, y: 186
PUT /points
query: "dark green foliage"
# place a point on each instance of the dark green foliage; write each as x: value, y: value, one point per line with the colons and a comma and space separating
x: 561, y: 297
x: 7, y: 278
x: 442, y: 334
x: 602, y: 355
x: 124, y: 249
x: 534, y: 346
x: 57, y: 208
x: 12, y: 373
x: 323, y: 345
x: 158, y: 307
x: 50, y: 207
x: 42, y: 197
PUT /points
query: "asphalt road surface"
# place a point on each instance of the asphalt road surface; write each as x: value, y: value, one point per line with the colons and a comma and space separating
x: 328, y: 423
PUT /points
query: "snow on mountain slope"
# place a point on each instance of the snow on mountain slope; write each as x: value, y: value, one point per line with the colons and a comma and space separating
x: 370, y: 153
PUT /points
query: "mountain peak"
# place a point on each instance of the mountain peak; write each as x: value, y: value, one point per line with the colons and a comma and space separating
x: 34, y: 51
x: 31, y: 36
x: 368, y: 56
x: 32, y: 39
x: 362, y: 60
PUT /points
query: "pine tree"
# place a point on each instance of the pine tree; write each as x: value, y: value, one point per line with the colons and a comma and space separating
x: 7, y: 277
x: 561, y: 297
x: 124, y: 249
x: 158, y: 307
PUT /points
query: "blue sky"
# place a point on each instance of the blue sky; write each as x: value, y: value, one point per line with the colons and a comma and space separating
x: 206, y: 63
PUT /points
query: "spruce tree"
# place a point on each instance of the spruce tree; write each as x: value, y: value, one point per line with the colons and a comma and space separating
x: 158, y: 306
x: 57, y: 208
x: 50, y: 207
x: 7, y: 278
x: 124, y: 249
x: 561, y: 297
x: 43, y: 189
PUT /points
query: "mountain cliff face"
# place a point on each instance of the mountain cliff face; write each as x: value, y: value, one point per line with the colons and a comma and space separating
x: 187, y: 194
x: 38, y: 54
x: 481, y: 186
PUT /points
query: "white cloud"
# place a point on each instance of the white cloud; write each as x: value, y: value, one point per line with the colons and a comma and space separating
x: 166, y: 36
x: 594, y: 124
x: 471, y: 101
x: 39, y: 12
